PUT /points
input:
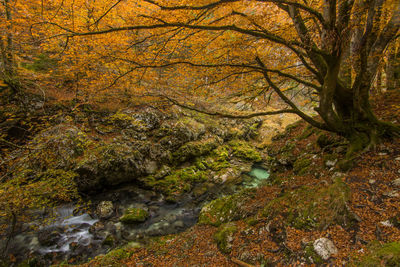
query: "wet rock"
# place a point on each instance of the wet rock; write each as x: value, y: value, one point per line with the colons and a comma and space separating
x: 150, y: 118
x: 230, y: 175
x: 134, y: 215
x: 159, y: 228
x: 324, y: 248
x: 96, y: 227
x: 178, y: 225
x: 105, y: 209
x: 109, y: 240
x: 49, y: 236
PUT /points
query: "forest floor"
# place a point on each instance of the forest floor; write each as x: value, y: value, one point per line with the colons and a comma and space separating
x: 370, y: 237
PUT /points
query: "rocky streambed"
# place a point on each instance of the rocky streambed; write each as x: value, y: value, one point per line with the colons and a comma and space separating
x: 75, y: 234
x: 138, y: 174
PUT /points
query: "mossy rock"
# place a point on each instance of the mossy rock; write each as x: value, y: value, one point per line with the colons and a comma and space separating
x: 123, y: 120
x: 116, y: 256
x: 195, y: 149
x: 109, y: 241
x: 234, y: 133
x: 301, y: 166
x: 217, y: 160
x: 177, y: 182
x: 311, y: 256
x: 224, y: 237
x: 380, y: 255
x: 309, y: 208
x: 134, y: 215
x: 243, y: 150
x: 225, y: 209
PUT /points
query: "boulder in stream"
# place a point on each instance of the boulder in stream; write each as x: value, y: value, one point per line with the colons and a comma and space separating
x: 134, y: 215
x: 105, y: 209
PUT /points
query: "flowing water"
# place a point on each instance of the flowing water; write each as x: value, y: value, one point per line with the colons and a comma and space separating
x: 81, y: 235
x: 259, y: 175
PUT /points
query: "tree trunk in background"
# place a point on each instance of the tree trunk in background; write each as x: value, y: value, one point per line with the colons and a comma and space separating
x: 8, y: 69
x: 393, y: 67
x: 378, y: 86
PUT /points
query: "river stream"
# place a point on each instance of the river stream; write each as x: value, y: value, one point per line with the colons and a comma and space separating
x: 76, y: 235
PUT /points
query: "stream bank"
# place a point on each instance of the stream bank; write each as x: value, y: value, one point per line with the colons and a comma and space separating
x: 162, y: 165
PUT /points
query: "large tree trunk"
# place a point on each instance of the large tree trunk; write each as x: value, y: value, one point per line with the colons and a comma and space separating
x: 360, y: 126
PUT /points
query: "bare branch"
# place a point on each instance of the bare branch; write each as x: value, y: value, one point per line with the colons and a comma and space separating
x: 289, y: 102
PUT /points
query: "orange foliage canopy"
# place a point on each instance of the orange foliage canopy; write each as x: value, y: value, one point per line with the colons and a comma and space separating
x: 216, y: 49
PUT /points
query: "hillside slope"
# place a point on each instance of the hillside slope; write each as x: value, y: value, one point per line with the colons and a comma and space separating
x: 307, y: 204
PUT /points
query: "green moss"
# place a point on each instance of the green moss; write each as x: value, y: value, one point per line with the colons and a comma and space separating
x: 235, y: 133
x: 380, y: 255
x: 177, y: 183
x: 195, y: 149
x: 109, y: 241
x: 243, y: 150
x: 313, y: 208
x: 115, y: 257
x: 224, y: 236
x: 121, y: 119
x: 218, y: 159
x: 225, y: 209
x: 134, y: 215
x: 311, y: 256
x: 251, y: 221
x: 301, y: 166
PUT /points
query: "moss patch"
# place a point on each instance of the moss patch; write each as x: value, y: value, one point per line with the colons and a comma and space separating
x: 178, y: 182
x: 218, y: 159
x: 134, y: 215
x: 224, y: 237
x: 225, y: 209
x: 195, y: 149
x: 380, y: 255
x: 301, y: 166
x: 116, y: 256
x: 311, y: 256
x: 243, y: 150
x: 313, y: 208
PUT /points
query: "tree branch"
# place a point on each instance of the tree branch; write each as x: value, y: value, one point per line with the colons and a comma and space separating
x: 222, y: 114
x: 289, y: 102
